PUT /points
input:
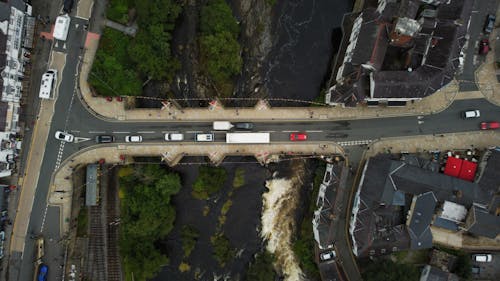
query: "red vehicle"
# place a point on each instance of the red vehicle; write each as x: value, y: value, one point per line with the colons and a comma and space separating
x: 484, y: 47
x: 298, y: 136
x: 490, y: 125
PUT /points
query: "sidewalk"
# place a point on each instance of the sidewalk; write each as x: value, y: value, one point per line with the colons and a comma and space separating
x: 486, y: 76
x: 116, y: 110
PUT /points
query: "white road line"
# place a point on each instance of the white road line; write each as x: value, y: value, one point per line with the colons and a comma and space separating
x: 288, y: 131
x: 97, y: 132
x: 121, y: 132
x: 44, y: 216
x: 146, y: 132
x: 315, y: 131
x: 267, y: 131
x: 73, y: 131
x: 193, y: 132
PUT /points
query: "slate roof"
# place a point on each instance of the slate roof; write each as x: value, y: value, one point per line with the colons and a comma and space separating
x: 4, y: 107
x: 420, y: 219
x: 430, y: 273
x: 484, y: 223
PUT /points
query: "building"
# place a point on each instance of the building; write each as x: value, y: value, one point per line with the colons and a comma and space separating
x: 16, y: 40
x: 398, y: 51
x: 399, y: 199
x: 430, y: 273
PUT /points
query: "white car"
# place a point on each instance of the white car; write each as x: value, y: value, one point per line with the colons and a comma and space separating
x: 63, y: 136
x: 482, y: 257
x: 133, y: 138
x: 327, y: 255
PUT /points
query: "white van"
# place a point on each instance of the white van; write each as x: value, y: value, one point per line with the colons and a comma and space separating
x: 471, y: 114
x: 48, y: 83
x: 174, y: 137
x: 204, y: 137
x: 61, y: 27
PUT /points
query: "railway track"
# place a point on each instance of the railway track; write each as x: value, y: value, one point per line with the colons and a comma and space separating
x: 112, y: 218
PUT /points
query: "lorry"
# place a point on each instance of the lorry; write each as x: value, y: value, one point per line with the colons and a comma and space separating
x: 61, y: 27
x: 248, y: 138
x: 222, y: 125
x: 49, y: 80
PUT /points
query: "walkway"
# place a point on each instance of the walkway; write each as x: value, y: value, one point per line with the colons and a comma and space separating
x: 128, y: 30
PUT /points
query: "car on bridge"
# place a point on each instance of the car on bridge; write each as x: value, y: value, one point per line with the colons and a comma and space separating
x: 133, y: 139
x: 490, y: 125
x: 104, y: 139
x: 298, y: 136
x: 63, y: 136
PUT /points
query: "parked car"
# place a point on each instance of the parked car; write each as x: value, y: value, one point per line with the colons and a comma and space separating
x: 133, y: 139
x: 174, y: 137
x: 484, y: 46
x: 104, y: 139
x: 43, y: 272
x: 298, y: 136
x: 482, y: 257
x: 489, y: 24
x: 63, y: 136
x: 327, y: 255
x: 204, y: 137
x: 244, y: 126
x: 471, y: 114
x: 490, y: 125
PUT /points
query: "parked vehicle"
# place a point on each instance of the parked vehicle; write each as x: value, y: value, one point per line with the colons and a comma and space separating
x: 133, y: 139
x: 174, y: 137
x: 327, y: 255
x: 490, y: 125
x: 63, y: 136
x: 298, y: 136
x: 490, y: 23
x: 61, y: 27
x: 43, y: 271
x: 204, y: 137
x: 471, y: 114
x: 104, y: 139
x: 482, y: 257
x: 68, y: 5
x: 484, y: 46
x: 48, y: 83
x: 244, y: 126
x: 222, y: 125
x: 248, y: 138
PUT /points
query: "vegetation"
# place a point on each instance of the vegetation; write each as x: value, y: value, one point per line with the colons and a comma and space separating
x: 412, y: 256
x: 223, y: 251
x: 387, y: 270
x: 262, y: 268
x: 189, y: 236
x: 146, y: 217
x: 121, y: 62
x: 209, y: 181
x: 220, y: 50
x: 83, y: 222
x: 303, y: 247
x: 184, y: 267
x: 239, y: 177
x: 463, y: 265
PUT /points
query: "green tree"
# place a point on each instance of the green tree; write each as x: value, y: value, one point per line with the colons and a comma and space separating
x: 209, y: 181
x: 223, y: 252
x: 221, y: 52
x: 387, y: 270
x: 189, y: 236
x: 262, y: 268
x: 217, y: 17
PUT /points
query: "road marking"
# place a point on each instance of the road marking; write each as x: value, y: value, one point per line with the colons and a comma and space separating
x: 73, y: 131
x: 121, y: 132
x: 193, y: 132
x: 267, y: 131
x: 146, y: 132
x: 288, y: 131
x: 354, y: 142
x: 97, y: 132
x: 44, y: 216
x: 313, y: 131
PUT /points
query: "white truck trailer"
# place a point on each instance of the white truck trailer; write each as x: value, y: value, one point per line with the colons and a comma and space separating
x: 222, y: 125
x: 61, y: 27
x: 248, y: 138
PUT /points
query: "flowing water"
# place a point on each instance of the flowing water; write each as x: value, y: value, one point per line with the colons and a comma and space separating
x: 279, y: 221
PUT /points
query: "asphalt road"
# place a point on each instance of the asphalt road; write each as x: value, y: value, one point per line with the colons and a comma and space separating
x: 72, y: 115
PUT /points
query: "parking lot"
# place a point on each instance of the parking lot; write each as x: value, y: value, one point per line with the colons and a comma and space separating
x: 488, y: 270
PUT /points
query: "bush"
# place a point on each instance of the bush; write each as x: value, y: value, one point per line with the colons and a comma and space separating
x: 209, y: 181
x: 387, y: 270
x: 83, y: 222
x: 262, y: 268
x: 189, y: 236
x: 239, y: 178
x: 222, y: 249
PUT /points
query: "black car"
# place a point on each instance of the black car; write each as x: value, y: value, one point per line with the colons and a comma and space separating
x: 244, y: 126
x: 68, y: 5
x: 490, y: 23
x: 104, y: 139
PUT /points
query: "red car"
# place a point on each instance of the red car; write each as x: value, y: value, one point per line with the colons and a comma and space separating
x: 490, y: 125
x: 484, y: 47
x: 298, y: 136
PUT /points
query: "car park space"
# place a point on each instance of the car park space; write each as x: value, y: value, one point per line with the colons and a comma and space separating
x: 486, y: 270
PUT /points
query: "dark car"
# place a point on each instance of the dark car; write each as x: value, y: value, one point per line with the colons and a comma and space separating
x: 42, y: 272
x: 490, y: 23
x: 484, y: 47
x: 244, y: 126
x: 104, y: 139
x: 68, y: 5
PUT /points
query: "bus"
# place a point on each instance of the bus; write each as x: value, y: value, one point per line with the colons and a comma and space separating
x: 48, y: 83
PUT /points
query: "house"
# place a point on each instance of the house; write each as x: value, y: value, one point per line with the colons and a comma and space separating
x: 430, y: 273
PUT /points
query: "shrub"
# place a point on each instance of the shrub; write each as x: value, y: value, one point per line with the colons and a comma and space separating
x: 222, y: 249
x: 209, y: 181
x: 189, y: 236
x: 239, y: 178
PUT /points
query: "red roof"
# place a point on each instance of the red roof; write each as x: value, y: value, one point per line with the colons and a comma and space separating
x: 459, y: 168
x: 468, y: 171
x: 453, y: 166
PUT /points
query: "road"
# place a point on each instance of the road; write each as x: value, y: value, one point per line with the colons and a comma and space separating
x: 71, y: 115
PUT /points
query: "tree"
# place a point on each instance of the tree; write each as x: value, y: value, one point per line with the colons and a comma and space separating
x: 209, y: 181
x: 217, y: 17
x: 262, y: 268
x: 223, y: 252
x: 189, y: 236
x: 387, y: 270
x: 221, y: 53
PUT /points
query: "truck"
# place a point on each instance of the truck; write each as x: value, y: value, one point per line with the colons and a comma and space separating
x: 49, y: 80
x: 222, y: 125
x: 248, y: 138
x: 61, y: 27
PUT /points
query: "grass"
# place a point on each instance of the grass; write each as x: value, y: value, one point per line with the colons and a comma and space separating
x: 239, y: 178
x: 83, y: 222
x: 412, y: 257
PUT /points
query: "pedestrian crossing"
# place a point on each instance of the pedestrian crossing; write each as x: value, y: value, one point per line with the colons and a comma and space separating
x: 59, y: 155
x: 354, y: 142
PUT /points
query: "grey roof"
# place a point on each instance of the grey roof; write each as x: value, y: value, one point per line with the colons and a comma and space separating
x: 91, y: 185
x: 489, y: 182
x: 420, y: 220
x: 484, y: 223
x: 4, y: 11
x: 444, y: 223
x: 3, y: 112
x: 430, y: 273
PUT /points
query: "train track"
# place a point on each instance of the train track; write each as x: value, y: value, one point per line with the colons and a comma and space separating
x: 114, y: 266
